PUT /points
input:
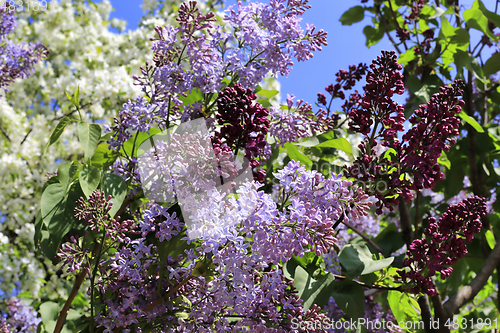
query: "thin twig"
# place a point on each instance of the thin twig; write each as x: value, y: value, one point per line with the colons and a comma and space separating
x: 369, y: 286
x: 74, y: 291
x: 26, y: 136
x: 4, y: 133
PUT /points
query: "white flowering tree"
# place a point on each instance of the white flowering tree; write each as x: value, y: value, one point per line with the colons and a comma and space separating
x: 85, y: 54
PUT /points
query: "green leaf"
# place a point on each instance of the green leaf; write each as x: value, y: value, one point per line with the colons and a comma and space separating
x: 90, y: 177
x: 443, y: 160
x: 493, y: 17
x: 439, y: 12
x: 311, y: 291
x: 66, y: 173
x: 115, y: 186
x: 475, y: 19
x: 406, y: 57
x: 268, y: 93
x: 471, y: 121
x: 49, y: 312
x: 353, y: 15
x: 358, y: 260
x: 463, y: 58
x: 75, y: 99
x: 38, y: 228
x: 340, y: 143
x: 404, y: 308
x: 89, y: 135
x: 373, y: 36
x: 314, y: 141
x: 350, y: 297
x: 424, y: 91
x: 193, y: 97
x: 182, y: 315
x: 128, y: 146
x: 103, y: 156
x: 58, y: 131
x: 57, y: 211
x: 490, y: 238
x: 294, y: 154
x: 492, y: 65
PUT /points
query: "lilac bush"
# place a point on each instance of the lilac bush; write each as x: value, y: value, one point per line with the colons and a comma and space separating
x: 169, y: 217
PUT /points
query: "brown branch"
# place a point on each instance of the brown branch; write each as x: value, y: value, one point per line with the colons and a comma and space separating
x: 468, y: 292
x: 368, y: 240
x: 369, y: 286
x: 396, y: 21
x: 406, y: 225
x: 74, y: 291
x: 425, y: 310
x: 417, y: 208
x: 440, y: 314
x: 26, y: 136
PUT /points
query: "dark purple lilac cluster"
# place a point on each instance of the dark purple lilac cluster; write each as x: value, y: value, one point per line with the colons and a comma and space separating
x: 403, y: 31
x: 445, y: 245
x: 435, y: 127
x: 382, y: 82
x: 16, y: 61
x: 345, y: 81
x: 411, y: 164
x: 74, y: 256
x: 243, y: 124
x: 425, y: 45
x: 94, y: 211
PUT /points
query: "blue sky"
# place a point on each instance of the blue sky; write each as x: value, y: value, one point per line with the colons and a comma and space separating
x: 346, y: 45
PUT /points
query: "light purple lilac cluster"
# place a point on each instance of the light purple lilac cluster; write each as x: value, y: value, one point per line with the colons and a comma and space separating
x: 21, y: 318
x: 16, y: 61
x: 297, y: 121
x: 198, y: 55
x: 237, y: 271
x: 271, y: 41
